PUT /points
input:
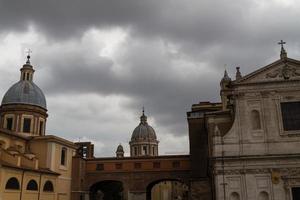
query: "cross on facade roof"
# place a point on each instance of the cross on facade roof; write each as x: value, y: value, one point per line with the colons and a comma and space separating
x: 281, y: 43
x: 283, y: 54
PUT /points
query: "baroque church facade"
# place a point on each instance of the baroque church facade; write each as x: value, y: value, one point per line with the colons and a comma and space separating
x: 253, y: 134
x: 258, y: 157
x: 245, y: 147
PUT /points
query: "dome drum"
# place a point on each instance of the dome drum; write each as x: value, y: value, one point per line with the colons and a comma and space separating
x: 23, y: 119
x: 21, y: 108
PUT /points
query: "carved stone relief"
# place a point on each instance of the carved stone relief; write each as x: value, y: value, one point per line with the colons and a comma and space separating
x: 285, y: 72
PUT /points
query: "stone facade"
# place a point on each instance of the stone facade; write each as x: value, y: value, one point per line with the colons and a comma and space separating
x: 254, y: 139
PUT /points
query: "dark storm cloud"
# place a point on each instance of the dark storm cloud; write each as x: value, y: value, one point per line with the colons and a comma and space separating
x: 198, y: 27
x: 68, y: 17
x: 148, y: 78
x: 195, y: 25
x: 206, y: 33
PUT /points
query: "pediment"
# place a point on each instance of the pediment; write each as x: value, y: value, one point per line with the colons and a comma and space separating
x: 280, y: 70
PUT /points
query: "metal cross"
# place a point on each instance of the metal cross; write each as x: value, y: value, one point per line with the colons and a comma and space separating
x: 28, y: 52
x: 28, y: 56
x: 281, y: 43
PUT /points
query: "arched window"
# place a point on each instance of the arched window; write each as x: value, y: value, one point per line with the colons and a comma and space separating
x: 255, y: 119
x: 48, y: 187
x: 12, y: 184
x: 263, y: 196
x: 32, y: 185
x: 234, y: 196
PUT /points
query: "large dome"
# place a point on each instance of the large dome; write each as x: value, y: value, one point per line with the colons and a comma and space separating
x: 25, y: 92
x: 143, y: 131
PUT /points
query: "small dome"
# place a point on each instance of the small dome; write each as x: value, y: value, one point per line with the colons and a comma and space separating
x: 25, y: 92
x: 143, y: 131
x: 120, y: 148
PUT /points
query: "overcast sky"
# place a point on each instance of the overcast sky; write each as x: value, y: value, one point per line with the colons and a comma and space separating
x: 100, y: 61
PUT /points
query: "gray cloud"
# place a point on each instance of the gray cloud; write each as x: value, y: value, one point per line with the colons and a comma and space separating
x: 172, y: 57
x: 148, y: 78
x: 218, y: 32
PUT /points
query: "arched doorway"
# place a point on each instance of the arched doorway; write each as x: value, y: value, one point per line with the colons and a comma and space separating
x: 167, y: 189
x: 107, y: 190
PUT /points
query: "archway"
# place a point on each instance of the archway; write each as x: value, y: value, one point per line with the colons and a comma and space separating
x: 107, y: 190
x: 167, y: 189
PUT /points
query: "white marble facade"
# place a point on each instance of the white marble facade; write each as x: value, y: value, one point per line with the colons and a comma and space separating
x: 258, y: 159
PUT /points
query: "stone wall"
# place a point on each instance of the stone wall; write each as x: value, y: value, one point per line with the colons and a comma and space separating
x: 200, y: 190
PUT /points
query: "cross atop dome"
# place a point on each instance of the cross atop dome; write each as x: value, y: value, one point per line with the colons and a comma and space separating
x: 28, y: 56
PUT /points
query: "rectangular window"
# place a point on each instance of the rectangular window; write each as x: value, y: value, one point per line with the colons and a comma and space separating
x: 144, y: 150
x: 81, y: 197
x: 63, y: 156
x: 26, y: 125
x: 156, y: 165
x: 84, y: 151
x: 296, y: 193
x: 9, y: 123
x: 99, y: 167
x: 176, y: 164
x: 290, y: 115
x: 137, y: 165
x: 41, y: 130
x: 135, y: 151
x: 118, y: 165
